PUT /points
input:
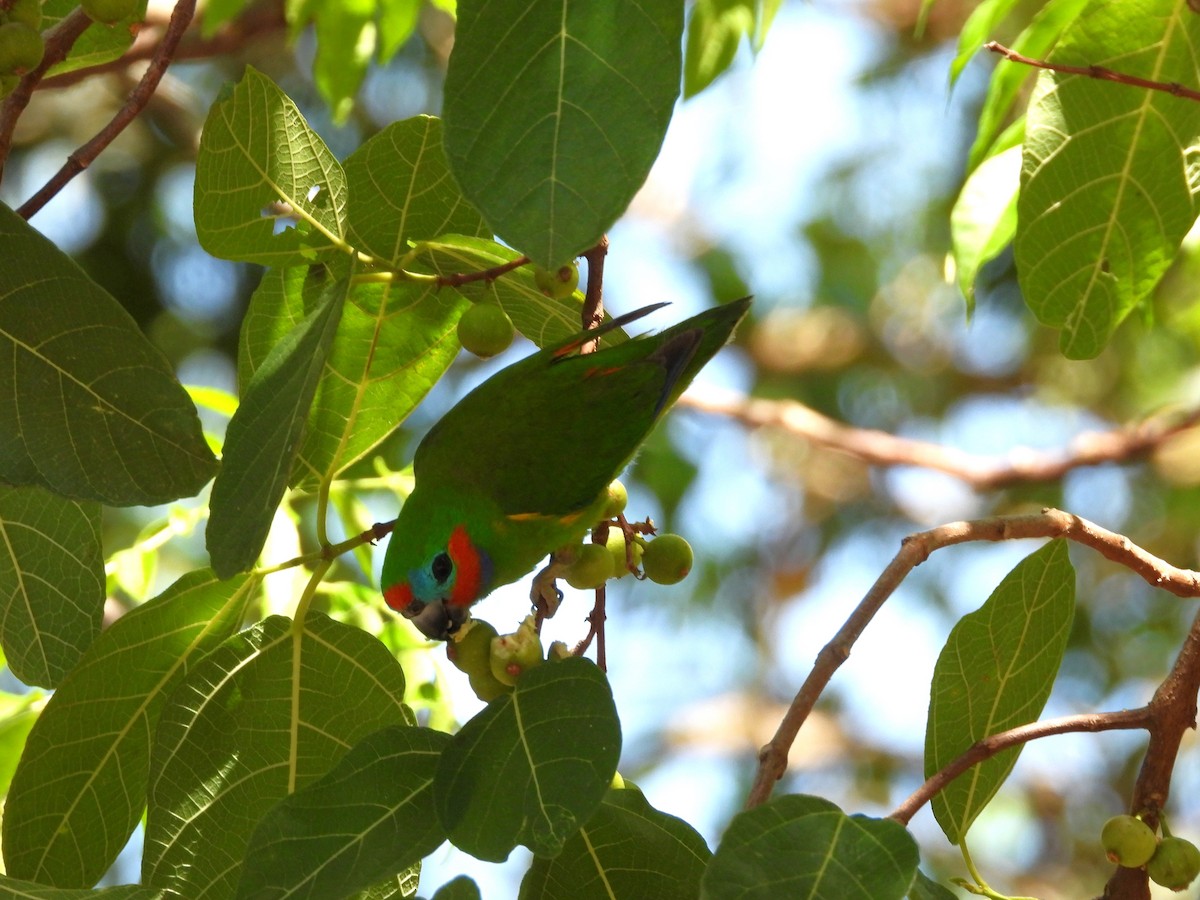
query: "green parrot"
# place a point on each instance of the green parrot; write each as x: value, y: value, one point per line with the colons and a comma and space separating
x: 521, y: 465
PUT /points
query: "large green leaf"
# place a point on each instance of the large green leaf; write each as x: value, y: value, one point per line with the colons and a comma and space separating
x: 995, y: 673
x: 14, y: 889
x: 543, y: 320
x: 555, y: 111
x: 51, y: 582
x: 392, y: 345
x: 1108, y: 187
x: 264, y: 436
x: 80, y: 788
x: 627, y: 849
x: 266, y: 714
x: 259, y: 166
x: 533, y: 766
x: 88, y: 407
x: 369, y: 817
x: 801, y: 846
x: 401, y: 191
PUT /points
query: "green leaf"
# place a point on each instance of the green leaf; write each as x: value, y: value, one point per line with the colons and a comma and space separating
x: 98, y: 44
x: 88, y: 407
x: 533, y: 766
x: 345, y: 32
x: 259, y: 166
x: 995, y: 673
x: 764, y: 17
x: 544, y: 321
x: 555, y: 112
x: 627, y: 849
x: 265, y: 715
x: 1009, y: 77
x: 397, y: 21
x: 1107, y: 190
x: 401, y: 191
x: 14, y: 889
x: 976, y: 31
x: 80, y: 788
x: 369, y: 817
x: 18, y: 713
x: 714, y: 32
x: 460, y: 888
x: 51, y: 582
x: 264, y: 436
x: 925, y: 888
x: 801, y: 846
x: 393, y: 343
x: 984, y: 218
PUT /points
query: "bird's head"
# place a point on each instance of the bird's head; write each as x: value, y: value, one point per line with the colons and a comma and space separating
x: 433, y: 582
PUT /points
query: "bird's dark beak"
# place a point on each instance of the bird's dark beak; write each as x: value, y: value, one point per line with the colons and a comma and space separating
x: 436, y: 621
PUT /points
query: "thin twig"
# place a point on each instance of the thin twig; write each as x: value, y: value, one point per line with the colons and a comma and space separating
x: 1099, y: 72
x: 914, y: 550
x: 1022, y: 465
x: 181, y: 17
x: 593, y: 298
x: 59, y: 42
x: 483, y: 274
x: 986, y: 748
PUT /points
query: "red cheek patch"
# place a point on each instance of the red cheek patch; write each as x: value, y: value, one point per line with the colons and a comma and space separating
x: 468, y: 568
x: 398, y: 596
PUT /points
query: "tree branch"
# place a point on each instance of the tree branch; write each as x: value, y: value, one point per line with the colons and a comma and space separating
x: 914, y: 550
x: 882, y: 449
x: 181, y: 17
x: 59, y: 42
x: 1099, y: 72
x: 986, y: 748
x: 1173, y: 712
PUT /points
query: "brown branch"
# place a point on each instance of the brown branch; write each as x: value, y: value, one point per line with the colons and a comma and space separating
x: 882, y: 449
x: 59, y: 42
x: 257, y: 21
x: 181, y: 17
x: 1173, y: 711
x: 483, y: 274
x: 1099, y: 72
x: 914, y: 550
x: 986, y: 748
x: 593, y: 298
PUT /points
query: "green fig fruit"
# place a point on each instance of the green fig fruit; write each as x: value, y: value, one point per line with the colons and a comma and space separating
x: 485, y: 330
x: 558, y: 283
x: 667, y: 559
x: 21, y: 48
x: 1175, y: 864
x: 1128, y: 841
x: 592, y: 567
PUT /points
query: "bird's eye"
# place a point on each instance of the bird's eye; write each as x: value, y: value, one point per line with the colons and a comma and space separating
x: 442, y: 567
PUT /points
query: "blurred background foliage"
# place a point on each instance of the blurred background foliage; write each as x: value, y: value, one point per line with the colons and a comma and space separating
x: 817, y: 174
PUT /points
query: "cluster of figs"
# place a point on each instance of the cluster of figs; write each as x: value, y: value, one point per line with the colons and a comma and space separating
x: 1173, y: 862
x: 21, y: 43
x: 493, y: 662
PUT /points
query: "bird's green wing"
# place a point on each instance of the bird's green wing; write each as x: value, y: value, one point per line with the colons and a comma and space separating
x: 546, y: 435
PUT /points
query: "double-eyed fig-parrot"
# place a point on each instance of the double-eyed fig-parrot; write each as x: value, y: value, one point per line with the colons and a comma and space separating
x: 521, y: 465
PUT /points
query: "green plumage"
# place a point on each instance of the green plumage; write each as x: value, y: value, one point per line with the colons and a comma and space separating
x: 520, y: 466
